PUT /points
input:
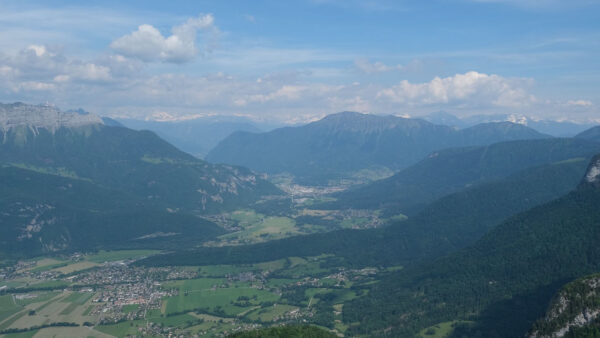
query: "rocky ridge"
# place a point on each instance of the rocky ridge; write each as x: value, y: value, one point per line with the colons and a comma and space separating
x: 42, y: 116
x: 575, y: 306
x: 593, y: 174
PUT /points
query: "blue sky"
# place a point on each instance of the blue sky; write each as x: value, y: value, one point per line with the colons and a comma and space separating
x: 298, y: 60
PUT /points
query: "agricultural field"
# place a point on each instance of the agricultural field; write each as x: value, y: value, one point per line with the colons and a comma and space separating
x: 48, y: 264
x: 270, y: 313
x: 120, y: 329
x: 441, y: 330
x: 118, y: 255
x: 217, y: 296
x: 72, y: 264
x: 248, y: 226
x: 8, y: 306
x: 82, y: 331
x: 254, y: 228
x: 79, y: 266
x: 103, y: 295
x: 46, y: 307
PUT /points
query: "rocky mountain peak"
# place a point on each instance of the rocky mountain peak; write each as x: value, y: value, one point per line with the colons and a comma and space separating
x: 42, y: 116
x: 592, y: 175
x: 358, y: 122
x: 575, y: 306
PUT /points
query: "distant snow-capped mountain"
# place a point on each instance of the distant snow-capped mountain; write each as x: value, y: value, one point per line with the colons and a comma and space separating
x: 560, y: 128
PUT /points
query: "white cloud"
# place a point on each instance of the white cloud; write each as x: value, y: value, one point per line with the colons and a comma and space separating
x: 167, y: 117
x: 377, y: 67
x: 7, y: 72
x: 36, y: 85
x: 287, y: 92
x: 300, y: 94
x: 38, y: 50
x: 579, y: 103
x: 77, y: 27
x: 38, y: 68
x: 91, y: 71
x: 119, y: 85
x: 148, y: 44
x: 469, y: 89
x: 354, y: 103
x: 62, y: 78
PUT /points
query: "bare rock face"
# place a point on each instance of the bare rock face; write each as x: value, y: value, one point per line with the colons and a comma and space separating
x: 576, y: 305
x: 42, y: 116
x: 592, y: 175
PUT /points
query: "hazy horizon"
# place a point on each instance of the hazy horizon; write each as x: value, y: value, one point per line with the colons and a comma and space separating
x: 298, y: 61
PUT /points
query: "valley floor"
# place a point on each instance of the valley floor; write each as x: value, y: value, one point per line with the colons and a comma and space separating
x: 102, y: 294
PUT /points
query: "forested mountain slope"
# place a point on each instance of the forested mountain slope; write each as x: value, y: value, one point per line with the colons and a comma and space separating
x: 137, y: 161
x: 451, y: 170
x: 447, y: 224
x: 573, y: 312
x: 592, y: 134
x: 114, y: 182
x: 503, y: 282
x: 44, y: 213
x: 343, y: 143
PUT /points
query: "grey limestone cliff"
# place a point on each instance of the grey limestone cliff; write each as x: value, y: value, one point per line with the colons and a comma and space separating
x: 42, y: 116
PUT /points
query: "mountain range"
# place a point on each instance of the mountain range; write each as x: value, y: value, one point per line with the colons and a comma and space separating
x: 199, y: 135
x: 446, y: 224
x: 341, y: 144
x: 502, y: 225
x: 63, y: 150
x: 592, y: 134
x: 503, y: 282
x: 489, y: 257
x: 451, y: 170
x: 551, y: 127
x: 195, y: 136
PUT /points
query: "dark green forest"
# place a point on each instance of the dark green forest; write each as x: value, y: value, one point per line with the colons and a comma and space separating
x: 342, y: 143
x: 504, y: 282
x: 450, y: 223
x: 285, y: 332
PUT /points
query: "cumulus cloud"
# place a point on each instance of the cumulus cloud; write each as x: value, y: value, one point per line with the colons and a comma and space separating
x: 37, y: 50
x: 117, y: 85
x: 39, y: 63
x: 85, y: 71
x: 148, y: 44
x: 39, y: 68
x: 579, y: 103
x: 470, y: 89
